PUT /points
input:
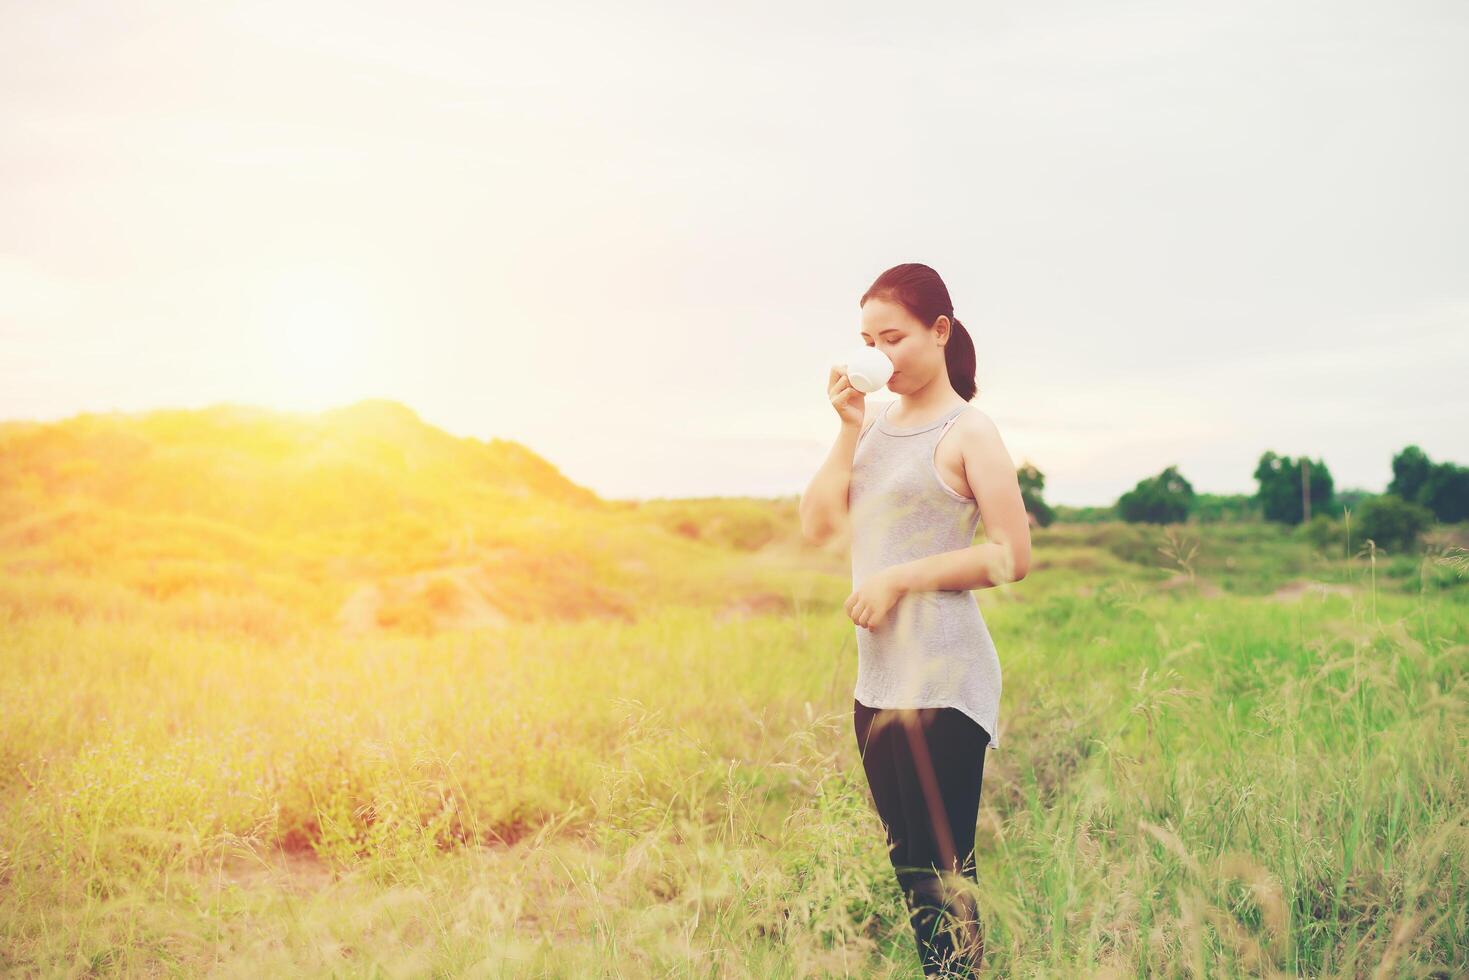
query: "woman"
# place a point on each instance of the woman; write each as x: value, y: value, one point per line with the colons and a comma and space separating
x: 913, y: 482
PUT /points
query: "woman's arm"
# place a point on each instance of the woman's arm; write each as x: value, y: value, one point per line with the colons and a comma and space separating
x: 824, y: 504
x: 1005, y: 557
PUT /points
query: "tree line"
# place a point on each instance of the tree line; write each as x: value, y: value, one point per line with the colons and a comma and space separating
x: 1289, y: 491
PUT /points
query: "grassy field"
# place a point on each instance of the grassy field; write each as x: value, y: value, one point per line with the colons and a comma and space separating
x: 584, y: 738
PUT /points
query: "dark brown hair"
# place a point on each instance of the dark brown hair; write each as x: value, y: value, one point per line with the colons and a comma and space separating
x: 919, y: 290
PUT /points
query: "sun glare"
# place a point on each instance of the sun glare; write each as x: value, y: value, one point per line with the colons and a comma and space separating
x: 319, y: 342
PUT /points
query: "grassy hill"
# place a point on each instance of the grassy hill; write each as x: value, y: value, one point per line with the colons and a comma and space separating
x: 366, y: 517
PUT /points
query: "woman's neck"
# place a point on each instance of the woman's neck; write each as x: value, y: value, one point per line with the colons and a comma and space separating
x: 930, y: 401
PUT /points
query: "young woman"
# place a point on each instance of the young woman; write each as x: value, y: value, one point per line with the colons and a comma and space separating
x: 912, y: 482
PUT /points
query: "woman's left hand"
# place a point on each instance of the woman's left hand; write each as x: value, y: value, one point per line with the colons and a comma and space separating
x: 870, y: 603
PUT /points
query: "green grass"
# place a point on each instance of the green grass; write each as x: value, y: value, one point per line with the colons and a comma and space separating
x: 1187, y: 785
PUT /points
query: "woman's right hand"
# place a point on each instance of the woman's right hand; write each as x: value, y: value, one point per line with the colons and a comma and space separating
x: 850, y: 404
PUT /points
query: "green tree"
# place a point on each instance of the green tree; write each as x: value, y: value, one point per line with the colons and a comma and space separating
x: 1391, y: 522
x: 1280, y: 479
x: 1032, y: 482
x: 1409, y: 472
x: 1441, y: 487
x: 1446, y: 492
x: 1162, y: 499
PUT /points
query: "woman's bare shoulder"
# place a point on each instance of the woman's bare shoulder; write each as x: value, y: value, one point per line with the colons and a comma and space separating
x: 974, y: 417
x: 980, y: 431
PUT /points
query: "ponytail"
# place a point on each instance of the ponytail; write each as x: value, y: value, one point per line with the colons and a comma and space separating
x: 959, y: 358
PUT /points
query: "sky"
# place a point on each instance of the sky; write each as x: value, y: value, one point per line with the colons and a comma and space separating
x: 633, y: 236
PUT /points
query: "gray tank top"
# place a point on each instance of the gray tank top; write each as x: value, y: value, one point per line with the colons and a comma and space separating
x: 933, y: 649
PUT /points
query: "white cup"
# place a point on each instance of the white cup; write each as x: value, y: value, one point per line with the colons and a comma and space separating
x: 868, y: 369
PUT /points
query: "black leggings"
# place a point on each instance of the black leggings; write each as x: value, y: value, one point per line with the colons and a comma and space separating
x: 924, y: 767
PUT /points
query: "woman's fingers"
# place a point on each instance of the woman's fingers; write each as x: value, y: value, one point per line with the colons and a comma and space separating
x: 858, y: 611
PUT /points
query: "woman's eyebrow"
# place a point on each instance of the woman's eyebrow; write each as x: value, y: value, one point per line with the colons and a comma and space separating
x: 884, y: 330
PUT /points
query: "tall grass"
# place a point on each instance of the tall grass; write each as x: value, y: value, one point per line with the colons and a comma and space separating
x: 1188, y: 786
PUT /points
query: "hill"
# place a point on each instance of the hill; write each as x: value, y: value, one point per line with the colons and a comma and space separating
x: 363, y: 516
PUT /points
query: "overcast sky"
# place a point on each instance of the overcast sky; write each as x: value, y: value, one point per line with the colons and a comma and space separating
x: 633, y: 236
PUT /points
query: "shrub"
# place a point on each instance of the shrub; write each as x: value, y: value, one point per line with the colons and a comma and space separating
x: 1325, y: 533
x: 1391, y: 522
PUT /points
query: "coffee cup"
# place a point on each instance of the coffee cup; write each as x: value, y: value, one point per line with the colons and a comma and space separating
x: 868, y: 369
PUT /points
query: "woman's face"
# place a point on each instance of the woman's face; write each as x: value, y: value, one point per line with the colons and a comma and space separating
x: 914, y: 349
